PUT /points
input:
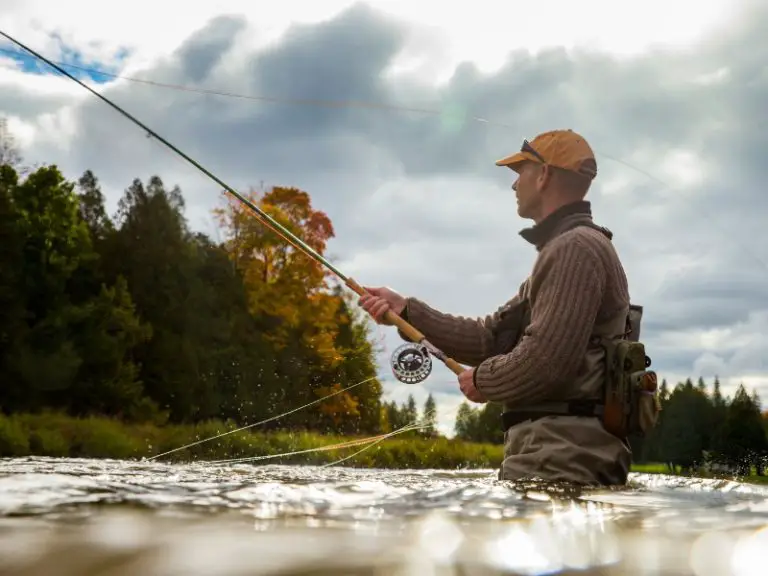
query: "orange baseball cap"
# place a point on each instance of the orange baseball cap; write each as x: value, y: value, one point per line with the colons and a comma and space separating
x: 559, y: 148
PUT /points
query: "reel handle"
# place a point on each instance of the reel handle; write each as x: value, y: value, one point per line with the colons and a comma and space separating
x: 408, y: 329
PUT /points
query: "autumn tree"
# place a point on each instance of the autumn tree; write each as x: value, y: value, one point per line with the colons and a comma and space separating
x: 322, y: 344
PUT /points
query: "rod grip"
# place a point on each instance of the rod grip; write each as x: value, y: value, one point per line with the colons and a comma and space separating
x: 406, y: 328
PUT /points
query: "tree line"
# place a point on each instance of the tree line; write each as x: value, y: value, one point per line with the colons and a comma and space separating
x: 136, y: 316
x: 698, y: 429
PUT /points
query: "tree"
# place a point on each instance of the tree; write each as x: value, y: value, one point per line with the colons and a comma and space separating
x: 322, y: 344
x: 744, y: 443
x: 153, y: 252
x: 361, y: 406
x: 410, y: 411
x: 685, y: 433
x: 106, y: 331
x: 72, y: 339
x: 429, y: 418
x: 55, y: 242
x: 283, y: 284
x: 465, y: 426
x: 12, y: 286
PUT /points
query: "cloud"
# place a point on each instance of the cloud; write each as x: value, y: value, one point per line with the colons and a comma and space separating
x: 415, y: 197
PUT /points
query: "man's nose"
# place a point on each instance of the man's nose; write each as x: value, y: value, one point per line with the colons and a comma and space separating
x: 514, y: 185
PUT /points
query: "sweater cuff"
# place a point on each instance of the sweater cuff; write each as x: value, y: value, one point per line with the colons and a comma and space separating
x: 478, y: 377
x: 405, y: 315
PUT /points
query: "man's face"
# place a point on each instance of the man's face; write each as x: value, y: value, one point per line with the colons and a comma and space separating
x: 527, y: 188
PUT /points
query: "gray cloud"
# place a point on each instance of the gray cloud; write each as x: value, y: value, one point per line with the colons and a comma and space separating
x: 416, y: 199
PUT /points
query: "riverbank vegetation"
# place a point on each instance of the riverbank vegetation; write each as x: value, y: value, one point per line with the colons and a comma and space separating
x: 59, y: 435
x: 52, y: 434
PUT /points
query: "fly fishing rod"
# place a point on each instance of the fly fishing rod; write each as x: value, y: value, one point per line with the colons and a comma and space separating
x: 410, y: 362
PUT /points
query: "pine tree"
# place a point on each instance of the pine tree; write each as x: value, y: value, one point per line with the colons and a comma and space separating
x: 429, y: 418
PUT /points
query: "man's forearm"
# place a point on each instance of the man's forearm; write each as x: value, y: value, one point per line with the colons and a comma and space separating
x: 467, y: 340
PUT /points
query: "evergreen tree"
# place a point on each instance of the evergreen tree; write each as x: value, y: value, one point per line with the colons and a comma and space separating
x: 429, y: 418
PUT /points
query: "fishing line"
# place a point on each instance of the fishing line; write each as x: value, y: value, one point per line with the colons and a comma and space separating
x: 327, y: 103
x: 414, y: 427
x: 357, y: 104
x: 303, y: 102
x: 270, y: 419
x: 349, y: 444
x: 246, y: 459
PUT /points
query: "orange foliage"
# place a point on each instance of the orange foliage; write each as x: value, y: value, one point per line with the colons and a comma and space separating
x: 341, y: 407
x: 281, y: 281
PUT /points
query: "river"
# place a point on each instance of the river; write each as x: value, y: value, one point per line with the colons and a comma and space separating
x: 63, y: 517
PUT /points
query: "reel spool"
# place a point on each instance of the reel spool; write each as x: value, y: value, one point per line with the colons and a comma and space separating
x: 411, y: 363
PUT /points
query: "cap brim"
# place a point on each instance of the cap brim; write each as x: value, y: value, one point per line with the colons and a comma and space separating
x: 515, y: 160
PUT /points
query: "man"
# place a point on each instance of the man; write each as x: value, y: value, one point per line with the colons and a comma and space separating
x: 540, y: 354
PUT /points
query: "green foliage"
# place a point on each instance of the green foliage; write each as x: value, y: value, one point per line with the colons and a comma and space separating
x: 137, y: 317
x: 394, y: 417
x: 480, y: 424
x: 14, y: 440
x: 699, y: 431
x: 429, y: 418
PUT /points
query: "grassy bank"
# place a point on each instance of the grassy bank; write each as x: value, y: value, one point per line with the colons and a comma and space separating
x: 52, y: 434
x: 59, y: 435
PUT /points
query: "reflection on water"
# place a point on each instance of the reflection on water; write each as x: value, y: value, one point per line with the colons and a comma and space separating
x: 88, y: 517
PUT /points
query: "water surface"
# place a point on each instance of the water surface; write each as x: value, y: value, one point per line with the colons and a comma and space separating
x: 108, y: 517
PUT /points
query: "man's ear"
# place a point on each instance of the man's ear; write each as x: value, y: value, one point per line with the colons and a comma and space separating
x: 544, y: 176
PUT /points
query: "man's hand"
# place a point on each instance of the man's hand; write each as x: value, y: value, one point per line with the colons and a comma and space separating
x: 379, y: 300
x: 467, y: 385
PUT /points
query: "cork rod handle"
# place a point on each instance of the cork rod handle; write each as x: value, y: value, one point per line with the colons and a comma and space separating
x: 412, y: 333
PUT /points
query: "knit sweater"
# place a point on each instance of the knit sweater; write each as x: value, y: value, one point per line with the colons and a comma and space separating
x: 577, y: 281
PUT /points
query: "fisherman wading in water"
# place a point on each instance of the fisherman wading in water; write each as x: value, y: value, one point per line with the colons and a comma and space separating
x: 547, y: 353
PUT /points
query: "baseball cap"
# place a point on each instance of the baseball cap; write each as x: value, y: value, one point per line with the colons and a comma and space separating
x: 563, y: 149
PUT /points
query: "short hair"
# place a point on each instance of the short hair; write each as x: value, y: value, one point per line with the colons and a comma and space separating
x: 573, y: 183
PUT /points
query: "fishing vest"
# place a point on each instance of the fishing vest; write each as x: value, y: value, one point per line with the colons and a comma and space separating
x: 614, y: 383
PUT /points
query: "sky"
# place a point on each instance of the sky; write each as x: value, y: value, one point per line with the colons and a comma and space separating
x: 670, y: 94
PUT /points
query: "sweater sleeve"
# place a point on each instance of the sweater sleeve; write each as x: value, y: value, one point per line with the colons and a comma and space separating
x: 469, y: 341
x: 567, y: 291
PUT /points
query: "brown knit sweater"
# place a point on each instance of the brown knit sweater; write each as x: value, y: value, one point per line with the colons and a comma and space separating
x: 576, y: 282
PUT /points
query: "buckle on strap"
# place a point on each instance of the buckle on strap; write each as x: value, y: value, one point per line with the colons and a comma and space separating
x: 585, y: 408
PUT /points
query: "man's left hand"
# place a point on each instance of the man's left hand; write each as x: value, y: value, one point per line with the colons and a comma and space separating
x: 467, y: 385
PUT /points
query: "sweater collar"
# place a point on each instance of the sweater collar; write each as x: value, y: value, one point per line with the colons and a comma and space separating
x: 553, y: 225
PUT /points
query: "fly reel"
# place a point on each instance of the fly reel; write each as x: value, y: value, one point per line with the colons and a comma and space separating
x: 411, y: 363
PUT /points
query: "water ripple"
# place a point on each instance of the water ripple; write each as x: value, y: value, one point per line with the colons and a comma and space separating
x: 71, y: 516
